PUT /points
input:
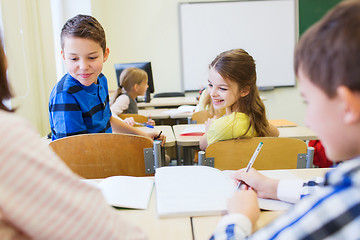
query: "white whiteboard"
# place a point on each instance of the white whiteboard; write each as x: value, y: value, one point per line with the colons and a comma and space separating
x: 265, y: 29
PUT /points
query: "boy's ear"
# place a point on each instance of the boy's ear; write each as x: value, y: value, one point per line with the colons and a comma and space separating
x: 245, y: 91
x: 106, y: 54
x: 351, y: 104
x: 63, y: 54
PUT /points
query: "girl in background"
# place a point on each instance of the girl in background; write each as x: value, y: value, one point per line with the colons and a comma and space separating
x: 232, y: 87
x: 133, y: 83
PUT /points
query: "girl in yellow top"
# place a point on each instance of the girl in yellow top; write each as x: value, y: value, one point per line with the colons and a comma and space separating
x: 232, y: 87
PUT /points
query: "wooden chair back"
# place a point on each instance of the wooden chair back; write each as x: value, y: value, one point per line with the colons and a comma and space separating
x: 276, y: 153
x: 137, y: 117
x: 103, y: 155
x: 201, y: 116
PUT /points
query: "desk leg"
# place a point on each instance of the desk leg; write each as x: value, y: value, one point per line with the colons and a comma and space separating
x: 188, y: 156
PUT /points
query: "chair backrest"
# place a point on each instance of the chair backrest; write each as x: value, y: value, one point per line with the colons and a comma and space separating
x: 276, y: 153
x: 201, y: 116
x: 103, y: 155
x: 137, y: 117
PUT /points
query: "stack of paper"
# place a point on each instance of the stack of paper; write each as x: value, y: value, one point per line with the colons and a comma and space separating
x: 181, y: 109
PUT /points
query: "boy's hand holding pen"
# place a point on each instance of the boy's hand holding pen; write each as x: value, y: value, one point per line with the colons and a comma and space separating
x: 161, y: 138
x: 251, y: 162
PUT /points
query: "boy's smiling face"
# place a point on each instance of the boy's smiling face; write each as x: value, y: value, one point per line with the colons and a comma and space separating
x: 84, y: 59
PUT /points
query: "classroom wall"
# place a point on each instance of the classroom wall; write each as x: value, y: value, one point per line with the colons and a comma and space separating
x: 142, y: 30
x: 30, y: 51
x: 137, y: 30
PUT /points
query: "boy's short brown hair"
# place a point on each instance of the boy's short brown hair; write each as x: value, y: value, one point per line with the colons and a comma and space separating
x: 84, y: 26
x: 329, y: 52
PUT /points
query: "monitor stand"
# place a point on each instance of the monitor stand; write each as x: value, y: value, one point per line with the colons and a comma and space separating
x: 147, y: 96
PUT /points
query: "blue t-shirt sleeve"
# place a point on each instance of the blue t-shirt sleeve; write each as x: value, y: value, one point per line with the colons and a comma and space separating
x: 66, y: 118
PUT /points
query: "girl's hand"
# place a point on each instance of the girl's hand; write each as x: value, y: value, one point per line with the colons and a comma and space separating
x: 245, y: 202
x: 207, y: 124
x: 264, y: 186
x: 130, y: 121
x: 151, y: 122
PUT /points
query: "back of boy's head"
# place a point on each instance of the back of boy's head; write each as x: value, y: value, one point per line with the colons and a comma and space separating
x: 131, y: 76
x: 84, y: 26
x: 329, y: 52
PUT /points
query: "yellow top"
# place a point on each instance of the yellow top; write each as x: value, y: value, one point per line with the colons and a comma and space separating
x: 228, y: 127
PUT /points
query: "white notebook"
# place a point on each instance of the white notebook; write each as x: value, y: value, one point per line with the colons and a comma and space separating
x: 201, y: 191
x: 126, y: 191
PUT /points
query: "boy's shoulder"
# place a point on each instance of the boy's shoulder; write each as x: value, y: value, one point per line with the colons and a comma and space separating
x: 67, y: 84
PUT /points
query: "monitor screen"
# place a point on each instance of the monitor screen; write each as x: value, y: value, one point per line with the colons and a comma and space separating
x: 146, y: 66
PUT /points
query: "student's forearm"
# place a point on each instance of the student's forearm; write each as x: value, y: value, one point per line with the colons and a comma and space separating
x: 119, y: 126
x: 274, y: 131
x: 203, y: 142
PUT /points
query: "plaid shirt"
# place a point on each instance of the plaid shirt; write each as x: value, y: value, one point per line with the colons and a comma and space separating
x: 77, y: 109
x: 330, y: 211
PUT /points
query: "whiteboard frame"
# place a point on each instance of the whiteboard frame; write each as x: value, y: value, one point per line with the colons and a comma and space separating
x: 278, y: 70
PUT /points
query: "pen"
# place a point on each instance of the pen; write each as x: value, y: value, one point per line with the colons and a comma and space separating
x: 144, y: 124
x: 158, y: 136
x: 251, y: 162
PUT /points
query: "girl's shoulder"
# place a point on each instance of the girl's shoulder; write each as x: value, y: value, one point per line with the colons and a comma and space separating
x: 234, y: 116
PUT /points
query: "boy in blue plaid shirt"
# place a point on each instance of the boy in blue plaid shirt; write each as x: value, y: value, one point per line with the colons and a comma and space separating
x: 327, y: 63
x: 79, y: 102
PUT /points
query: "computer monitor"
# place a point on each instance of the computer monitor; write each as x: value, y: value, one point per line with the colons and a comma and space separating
x: 146, y: 66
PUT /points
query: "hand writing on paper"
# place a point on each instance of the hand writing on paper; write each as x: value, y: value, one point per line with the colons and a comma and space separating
x: 155, y: 135
x: 264, y: 186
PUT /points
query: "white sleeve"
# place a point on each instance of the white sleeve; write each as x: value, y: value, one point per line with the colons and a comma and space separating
x: 233, y: 226
x: 120, y: 105
x: 289, y: 190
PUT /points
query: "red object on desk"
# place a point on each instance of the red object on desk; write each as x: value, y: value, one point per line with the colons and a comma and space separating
x: 192, y: 134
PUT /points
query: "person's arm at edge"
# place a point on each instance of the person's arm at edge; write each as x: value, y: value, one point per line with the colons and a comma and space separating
x: 274, y: 131
x: 119, y: 126
x: 203, y: 142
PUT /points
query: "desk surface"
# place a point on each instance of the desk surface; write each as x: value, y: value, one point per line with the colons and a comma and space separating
x: 155, y: 228
x: 167, y: 130
x: 299, y: 132
x: 302, y: 133
x: 185, y: 141
x: 203, y: 227
x: 169, y: 101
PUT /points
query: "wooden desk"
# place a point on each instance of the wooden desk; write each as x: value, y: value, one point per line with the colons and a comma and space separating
x: 169, y: 101
x: 159, y: 113
x: 302, y: 133
x: 204, y: 227
x: 155, y: 228
x: 163, y: 113
x: 167, y: 130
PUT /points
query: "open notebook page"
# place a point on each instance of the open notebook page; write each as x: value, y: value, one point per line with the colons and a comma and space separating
x: 201, y: 191
x: 126, y: 191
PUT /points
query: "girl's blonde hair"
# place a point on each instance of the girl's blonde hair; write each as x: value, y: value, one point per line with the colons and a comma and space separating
x: 238, y: 66
x: 128, y: 78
